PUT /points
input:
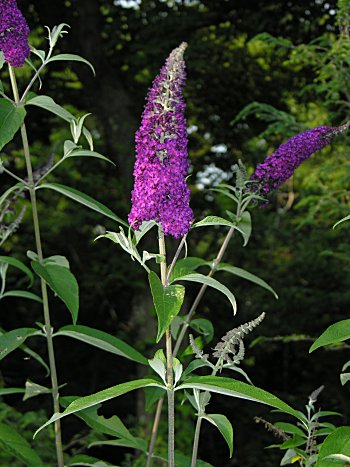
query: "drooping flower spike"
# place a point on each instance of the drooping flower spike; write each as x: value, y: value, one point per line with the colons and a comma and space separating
x: 160, y: 191
x: 280, y: 166
x: 14, y: 33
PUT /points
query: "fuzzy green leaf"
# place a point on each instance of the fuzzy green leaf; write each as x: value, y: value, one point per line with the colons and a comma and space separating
x: 101, y: 396
x: 84, y: 199
x: 62, y: 282
x: 167, y: 301
x: 71, y: 58
x: 11, y: 120
x: 337, y: 332
x: 223, y: 424
x: 103, y: 341
x: 47, y: 103
x: 19, y: 265
x: 16, y: 445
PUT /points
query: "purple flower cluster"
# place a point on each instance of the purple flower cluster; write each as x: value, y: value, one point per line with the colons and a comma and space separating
x: 160, y: 191
x: 280, y: 166
x: 14, y: 33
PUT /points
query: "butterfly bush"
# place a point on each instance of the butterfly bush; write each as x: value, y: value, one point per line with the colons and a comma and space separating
x: 279, y: 166
x: 160, y: 191
x: 14, y: 33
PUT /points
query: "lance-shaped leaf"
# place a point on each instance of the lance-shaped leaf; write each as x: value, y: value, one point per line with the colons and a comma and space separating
x: 11, y: 120
x: 47, y: 103
x: 109, y: 426
x: 209, y: 281
x: 337, y: 442
x: 87, y: 153
x: 10, y: 341
x: 336, y: 333
x: 22, y: 294
x: 213, y: 220
x: 103, y: 341
x: 7, y: 391
x: 167, y: 301
x: 247, y: 276
x: 238, y: 389
x: 19, y: 186
x: 187, y: 265
x: 16, y: 445
x: 70, y: 58
x: 244, y: 226
x: 102, y: 396
x: 135, y: 443
x: 62, y: 282
x: 84, y: 199
x: 19, y: 265
x: 223, y: 424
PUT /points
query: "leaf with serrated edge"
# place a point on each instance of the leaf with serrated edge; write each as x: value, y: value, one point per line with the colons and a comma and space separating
x: 102, y: 396
x: 103, y: 341
x: 167, y: 301
x: 209, y: 281
x: 335, y: 333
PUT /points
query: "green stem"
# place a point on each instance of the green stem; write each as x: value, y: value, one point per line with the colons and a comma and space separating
x: 14, y: 176
x: 48, y: 329
x: 169, y: 363
x: 196, y: 441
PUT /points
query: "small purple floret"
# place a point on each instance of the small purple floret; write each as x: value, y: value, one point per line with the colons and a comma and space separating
x: 14, y: 33
x: 160, y: 191
x: 280, y: 166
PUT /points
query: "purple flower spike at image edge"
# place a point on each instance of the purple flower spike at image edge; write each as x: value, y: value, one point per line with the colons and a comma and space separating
x: 280, y: 166
x: 160, y: 191
x: 14, y: 33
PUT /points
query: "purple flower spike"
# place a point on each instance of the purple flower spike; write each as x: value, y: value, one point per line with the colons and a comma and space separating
x: 14, y: 33
x: 160, y: 191
x: 280, y: 166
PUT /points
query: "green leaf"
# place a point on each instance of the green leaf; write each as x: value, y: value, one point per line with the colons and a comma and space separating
x: 47, y: 103
x: 87, y: 153
x: 341, y: 221
x: 185, y: 266
x: 223, y: 424
x: 204, y: 327
x: 231, y: 387
x: 7, y: 391
x: 289, y: 428
x: 19, y: 265
x: 244, y: 226
x: 87, y: 461
x: 109, y: 426
x: 56, y: 259
x: 33, y: 389
x: 167, y: 301
x: 135, y: 443
x: 62, y: 282
x: 213, y: 220
x: 84, y: 199
x: 344, y: 378
x: 10, y: 341
x: 293, y: 442
x: 22, y: 294
x: 152, y: 395
x: 193, y: 366
x: 71, y: 58
x: 103, y: 341
x: 16, y: 445
x: 337, y: 442
x: 6, y: 194
x: 102, y: 396
x: 337, y: 332
x: 209, y: 281
x: 11, y: 120
x: 246, y: 275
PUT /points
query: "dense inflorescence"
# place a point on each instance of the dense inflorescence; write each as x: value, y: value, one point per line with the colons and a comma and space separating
x: 14, y: 33
x: 279, y: 166
x: 160, y: 191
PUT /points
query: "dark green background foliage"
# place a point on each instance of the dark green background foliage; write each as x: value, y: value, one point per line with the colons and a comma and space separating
x: 293, y: 246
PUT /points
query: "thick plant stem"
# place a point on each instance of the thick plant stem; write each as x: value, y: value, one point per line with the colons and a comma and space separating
x: 196, y: 441
x: 169, y: 362
x: 183, y: 333
x: 48, y: 329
